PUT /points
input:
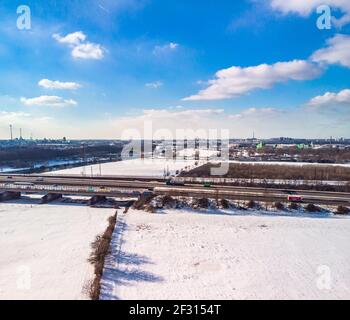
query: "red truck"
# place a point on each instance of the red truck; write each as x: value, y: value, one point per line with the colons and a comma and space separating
x: 295, y: 198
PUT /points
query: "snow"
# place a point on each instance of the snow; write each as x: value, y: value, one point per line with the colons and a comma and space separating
x: 174, y: 254
x: 202, y: 153
x: 181, y: 254
x: 44, y: 249
x: 134, y: 167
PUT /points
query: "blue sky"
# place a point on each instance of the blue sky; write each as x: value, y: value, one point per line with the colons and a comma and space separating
x: 95, y: 68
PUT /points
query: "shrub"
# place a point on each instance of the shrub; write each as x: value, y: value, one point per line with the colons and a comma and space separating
x: 224, y: 204
x: 149, y: 208
x: 311, y: 208
x: 168, y: 201
x: 293, y: 206
x: 142, y: 202
x: 251, y: 204
x: 201, y: 203
x: 279, y: 206
x: 342, y: 210
x: 100, y: 249
x: 95, y: 288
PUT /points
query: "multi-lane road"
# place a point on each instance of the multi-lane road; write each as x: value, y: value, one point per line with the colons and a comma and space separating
x: 112, y: 186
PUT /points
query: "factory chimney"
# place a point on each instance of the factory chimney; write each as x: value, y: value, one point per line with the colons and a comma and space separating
x: 11, y: 132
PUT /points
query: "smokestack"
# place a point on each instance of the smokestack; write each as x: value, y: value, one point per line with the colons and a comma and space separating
x: 11, y: 132
x: 20, y: 133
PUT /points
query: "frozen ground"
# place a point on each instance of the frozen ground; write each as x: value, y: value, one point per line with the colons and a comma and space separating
x: 135, y: 167
x: 44, y: 249
x: 197, y: 255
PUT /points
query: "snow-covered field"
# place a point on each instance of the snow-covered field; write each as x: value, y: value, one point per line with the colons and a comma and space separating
x: 200, y: 255
x: 44, y: 249
x: 174, y: 254
x: 135, y: 167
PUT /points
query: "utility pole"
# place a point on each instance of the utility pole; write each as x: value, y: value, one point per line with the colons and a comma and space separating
x: 83, y: 158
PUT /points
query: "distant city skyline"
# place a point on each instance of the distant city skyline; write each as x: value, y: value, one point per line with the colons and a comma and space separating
x: 95, y: 68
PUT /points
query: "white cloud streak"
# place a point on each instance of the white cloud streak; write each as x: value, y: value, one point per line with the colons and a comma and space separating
x: 48, y: 101
x: 154, y: 85
x: 163, y: 49
x: 52, y: 84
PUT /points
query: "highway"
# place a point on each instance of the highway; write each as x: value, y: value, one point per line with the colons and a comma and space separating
x: 135, y: 186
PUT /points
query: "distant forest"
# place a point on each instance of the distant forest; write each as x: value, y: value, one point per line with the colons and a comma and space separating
x: 26, y: 155
x: 276, y: 171
x: 323, y: 155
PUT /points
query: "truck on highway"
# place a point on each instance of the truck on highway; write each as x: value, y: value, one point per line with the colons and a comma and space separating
x: 173, y: 182
x: 24, y: 184
x: 294, y: 198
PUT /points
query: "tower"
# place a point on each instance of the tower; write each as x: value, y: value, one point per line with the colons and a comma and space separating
x: 11, y: 132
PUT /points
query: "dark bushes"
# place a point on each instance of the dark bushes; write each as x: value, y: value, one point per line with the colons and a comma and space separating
x: 100, y: 249
x: 225, y: 204
x: 311, y: 208
x: 293, y: 206
x: 251, y: 204
x: 279, y: 206
x: 342, y: 210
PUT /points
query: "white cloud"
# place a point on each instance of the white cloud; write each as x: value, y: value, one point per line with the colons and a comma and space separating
x: 154, y: 85
x: 88, y: 51
x: 74, y: 38
x: 165, y: 48
x: 179, y: 113
x: 255, y: 112
x: 337, y: 52
x: 331, y: 99
x: 306, y: 7
x: 50, y: 84
x: 236, y: 81
x: 80, y: 48
x: 173, y: 45
x: 10, y: 116
x: 48, y: 101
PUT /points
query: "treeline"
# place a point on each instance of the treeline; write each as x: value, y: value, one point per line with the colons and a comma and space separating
x: 323, y: 155
x: 27, y: 154
x: 276, y: 171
